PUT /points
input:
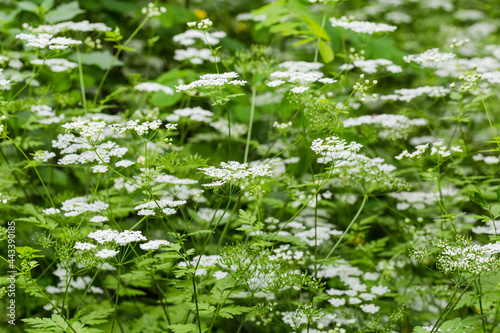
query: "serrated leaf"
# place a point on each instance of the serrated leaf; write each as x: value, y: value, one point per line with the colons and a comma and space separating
x: 186, y: 328
x: 233, y: 310
x: 96, y: 317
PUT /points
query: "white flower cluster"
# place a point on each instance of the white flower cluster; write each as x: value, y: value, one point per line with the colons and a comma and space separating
x: 43, y: 156
x: 282, y: 126
x: 147, y: 209
x: 362, y: 27
x: 84, y: 26
x: 120, y: 238
x: 151, y: 10
x: 488, y: 228
x: 153, y: 244
x: 420, y: 200
x: 486, y: 159
x: 392, y: 126
x: 70, y: 145
x: 190, y: 36
x: 195, y: 56
x: 372, y: 66
x: 203, y: 25
x: 212, y: 80
x: 42, y: 41
x: 99, y: 169
x: 88, y: 129
x: 79, y: 205
x: 467, y: 257
x: 112, y: 237
x: 205, y: 263
x: 438, y: 149
x: 140, y: 128
x: 153, y: 86
x: 46, y: 112
x: 194, y: 114
x: 407, y: 95
x: 429, y: 58
x: 56, y: 64
x: 235, y: 172
x: 367, y: 174
x: 333, y: 149
x: 299, y: 90
x: 297, y: 72
x: 169, y: 179
x: 67, y: 284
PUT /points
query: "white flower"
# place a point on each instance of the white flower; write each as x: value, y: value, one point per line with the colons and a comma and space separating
x: 336, y: 302
x: 362, y: 27
x: 370, y: 308
x: 299, y: 90
x: 99, y: 169
x: 98, y: 218
x: 103, y: 236
x: 153, y: 86
x: 55, y: 65
x: 124, y: 163
x: 153, y: 244
x: 129, y: 236
x: 235, y: 171
x: 220, y: 275
x: 84, y: 26
x: 51, y: 211
x: 43, y: 155
x: 79, y: 205
x: 84, y: 246
x: 213, y: 80
x: 42, y: 41
x: 379, y: 290
x: 105, y: 253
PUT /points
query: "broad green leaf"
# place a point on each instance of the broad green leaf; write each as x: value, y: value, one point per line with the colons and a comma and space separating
x: 64, y: 12
x: 28, y: 6
x: 102, y: 59
x: 326, y: 52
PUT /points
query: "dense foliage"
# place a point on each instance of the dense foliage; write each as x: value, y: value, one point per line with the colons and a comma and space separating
x: 250, y: 166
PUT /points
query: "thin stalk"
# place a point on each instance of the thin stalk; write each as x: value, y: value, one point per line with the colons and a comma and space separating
x: 252, y: 111
x: 365, y: 198
x: 437, y: 325
x: 82, y: 84
x: 316, y: 49
x: 116, y: 57
x: 27, y: 84
x: 36, y: 170
x: 115, y: 312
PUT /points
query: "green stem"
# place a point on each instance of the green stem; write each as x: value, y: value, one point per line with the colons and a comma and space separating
x: 252, y: 110
x: 82, y: 84
x: 116, y: 57
x: 36, y: 170
x: 365, y: 198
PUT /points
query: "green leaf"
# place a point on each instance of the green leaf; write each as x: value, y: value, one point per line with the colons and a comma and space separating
x: 28, y: 6
x: 326, y: 52
x: 233, y: 310
x: 478, y: 199
x: 186, y: 328
x: 47, y: 5
x: 495, y: 210
x: 64, y: 12
x: 102, y: 59
x: 96, y: 317
x: 56, y: 323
